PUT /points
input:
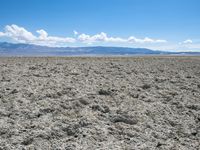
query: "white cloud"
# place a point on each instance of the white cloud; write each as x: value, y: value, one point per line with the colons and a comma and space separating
x: 42, y: 34
x: 2, y: 34
x: 102, y: 37
x: 188, y: 41
x: 51, y: 40
x: 75, y: 32
x: 20, y: 34
x: 145, y: 40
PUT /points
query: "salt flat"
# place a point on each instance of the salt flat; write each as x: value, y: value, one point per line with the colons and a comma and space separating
x: 100, y: 103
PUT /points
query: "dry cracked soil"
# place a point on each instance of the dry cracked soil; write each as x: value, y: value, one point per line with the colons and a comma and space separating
x: 119, y: 103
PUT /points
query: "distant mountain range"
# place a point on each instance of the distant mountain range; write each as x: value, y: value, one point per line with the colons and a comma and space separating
x: 10, y: 49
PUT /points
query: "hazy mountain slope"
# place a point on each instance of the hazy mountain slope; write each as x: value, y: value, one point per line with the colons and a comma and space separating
x: 30, y: 49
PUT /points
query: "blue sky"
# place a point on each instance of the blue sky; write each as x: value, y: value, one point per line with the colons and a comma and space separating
x: 156, y: 24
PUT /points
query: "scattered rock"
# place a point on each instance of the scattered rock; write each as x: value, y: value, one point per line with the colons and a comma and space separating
x: 32, y: 68
x: 27, y: 141
x: 146, y: 86
x: 14, y: 91
x: 5, y: 79
x: 72, y: 130
x: 159, y: 144
x: 84, y: 123
x: 160, y: 80
x: 188, y: 77
x: 99, y: 103
x: 194, y: 107
x: 46, y: 110
x: 134, y: 95
x: 123, y: 118
x: 104, y: 92
x: 84, y: 101
x: 103, y: 109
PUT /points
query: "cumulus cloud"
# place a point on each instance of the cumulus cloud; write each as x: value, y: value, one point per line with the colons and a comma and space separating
x: 75, y: 32
x: 52, y: 40
x: 103, y: 37
x: 20, y: 34
x: 42, y: 34
x: 188, y: 41
x: 145, y: 40
x: 2, y: 34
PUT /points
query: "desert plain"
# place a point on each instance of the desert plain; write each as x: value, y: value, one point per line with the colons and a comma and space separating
x: 104, y: 103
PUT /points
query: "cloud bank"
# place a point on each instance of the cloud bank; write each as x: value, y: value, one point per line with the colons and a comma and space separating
x: 188, y: 41
x: 102, y: 37
x: 20, y: 34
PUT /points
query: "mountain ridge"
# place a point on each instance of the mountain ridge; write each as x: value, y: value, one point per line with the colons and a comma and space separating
x: 23, y: 49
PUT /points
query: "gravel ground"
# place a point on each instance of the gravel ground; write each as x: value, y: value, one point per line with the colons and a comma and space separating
x: 118, y: 103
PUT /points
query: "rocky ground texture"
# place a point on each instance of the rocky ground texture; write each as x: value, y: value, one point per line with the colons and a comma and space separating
x: 119, y: 103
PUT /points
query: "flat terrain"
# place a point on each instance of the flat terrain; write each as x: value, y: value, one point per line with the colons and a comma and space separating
x: 100, y: 103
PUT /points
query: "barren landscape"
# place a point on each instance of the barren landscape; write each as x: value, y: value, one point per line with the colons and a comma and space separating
x: 119, y: 103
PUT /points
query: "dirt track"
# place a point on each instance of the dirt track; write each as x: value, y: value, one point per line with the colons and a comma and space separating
x: 100, y: 103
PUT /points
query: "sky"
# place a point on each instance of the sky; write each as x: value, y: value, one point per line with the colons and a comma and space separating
x: 156, y: 24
